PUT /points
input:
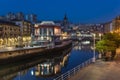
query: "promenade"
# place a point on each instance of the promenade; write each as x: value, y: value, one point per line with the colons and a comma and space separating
x: 99, y: 70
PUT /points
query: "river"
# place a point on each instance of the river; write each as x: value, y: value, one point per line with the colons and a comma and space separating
x: 46, y: 67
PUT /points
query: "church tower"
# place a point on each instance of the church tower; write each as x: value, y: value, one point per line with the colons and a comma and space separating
x: 65, y: 22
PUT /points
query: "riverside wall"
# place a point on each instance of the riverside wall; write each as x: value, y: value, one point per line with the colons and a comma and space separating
x: 17, y: 55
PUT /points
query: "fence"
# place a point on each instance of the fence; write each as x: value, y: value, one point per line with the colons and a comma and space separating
x: 73, y: 71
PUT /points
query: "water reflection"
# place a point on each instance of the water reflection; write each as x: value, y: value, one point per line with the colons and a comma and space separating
x: 51, y: 66
x: 80, y: 46
x: 43, y: 67
x: 47, y: 67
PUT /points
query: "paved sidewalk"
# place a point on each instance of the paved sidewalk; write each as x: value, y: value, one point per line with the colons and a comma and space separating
x: 99, y: 70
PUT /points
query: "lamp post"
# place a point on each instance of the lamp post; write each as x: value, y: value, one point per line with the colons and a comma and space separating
x: 100, y: 55
x: 93, y: 60
x: 100, y: 36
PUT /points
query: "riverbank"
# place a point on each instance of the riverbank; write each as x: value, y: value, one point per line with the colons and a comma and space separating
x: 15, y: 55
x: 100, y: 70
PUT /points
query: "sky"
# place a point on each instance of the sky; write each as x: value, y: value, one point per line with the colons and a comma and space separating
x: 79, y: 11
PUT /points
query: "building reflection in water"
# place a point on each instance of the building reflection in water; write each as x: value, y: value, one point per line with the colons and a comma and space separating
x: 78, y: 47
x: 44, y: 67
x: 82, y: 46
x: 51, y: 66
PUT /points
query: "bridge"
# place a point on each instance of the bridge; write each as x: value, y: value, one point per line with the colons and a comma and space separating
x: 85, y: 38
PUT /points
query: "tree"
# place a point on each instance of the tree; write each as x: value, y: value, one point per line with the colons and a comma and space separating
x: 108, y: 44
x: 113, y: 37
x: 105, y: 45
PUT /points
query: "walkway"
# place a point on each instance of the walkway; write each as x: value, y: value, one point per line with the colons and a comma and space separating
x: 99, y: 71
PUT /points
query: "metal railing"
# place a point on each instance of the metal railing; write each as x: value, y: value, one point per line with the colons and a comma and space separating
x: 72, y: 72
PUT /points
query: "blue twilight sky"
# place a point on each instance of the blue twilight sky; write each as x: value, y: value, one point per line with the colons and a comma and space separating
x: 83, y: 11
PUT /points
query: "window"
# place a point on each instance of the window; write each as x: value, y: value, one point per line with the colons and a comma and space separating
x: 40, y: 31
x: 45, y: 31
x: 1, y: 28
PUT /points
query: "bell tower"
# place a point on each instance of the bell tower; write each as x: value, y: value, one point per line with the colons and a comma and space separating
x: 65, y: 22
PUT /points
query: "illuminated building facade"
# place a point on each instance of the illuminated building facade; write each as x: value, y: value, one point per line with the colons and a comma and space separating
x: 116, y: 25
x: 113, y: 26
x: 25, y: 31
x: 47, y: 31
x: 9, y: 33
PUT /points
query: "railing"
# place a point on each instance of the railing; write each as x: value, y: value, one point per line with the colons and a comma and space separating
x: 72, y: 72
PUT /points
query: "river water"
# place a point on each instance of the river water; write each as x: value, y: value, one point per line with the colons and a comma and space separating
x: 47, y: 67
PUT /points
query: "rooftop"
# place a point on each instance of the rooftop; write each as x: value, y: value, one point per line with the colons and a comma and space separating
x: 47, y: 23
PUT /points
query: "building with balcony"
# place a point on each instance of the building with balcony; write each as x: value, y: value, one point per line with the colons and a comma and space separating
x: 9, y: 34
x: 25, y: 31
x: 47, y: 31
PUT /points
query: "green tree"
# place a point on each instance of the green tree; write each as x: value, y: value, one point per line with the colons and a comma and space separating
x: 113, y: 37
x: 108, y: 44
x: 105, y: 45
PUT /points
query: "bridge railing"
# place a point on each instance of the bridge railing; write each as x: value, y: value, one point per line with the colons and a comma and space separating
x: 72, y: 72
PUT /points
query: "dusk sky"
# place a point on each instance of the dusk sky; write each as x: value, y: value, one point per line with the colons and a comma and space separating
x: 83, y: 11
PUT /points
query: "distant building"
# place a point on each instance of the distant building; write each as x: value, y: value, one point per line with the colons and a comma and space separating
x: 10, y: 16
x: 108, y: 27
x: 59, y: 23
x: 116, y: 24
x: 19, y: 16
x: 113, y: 26
x: 32, y: 18
x: 2, y: 18
x: 9, y: 34
x: 65, y: 23
x: 47, y: 31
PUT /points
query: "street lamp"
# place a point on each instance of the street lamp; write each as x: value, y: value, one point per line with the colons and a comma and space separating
x: 100, y: 36
x: 100, y: 55
x: 93, y: 60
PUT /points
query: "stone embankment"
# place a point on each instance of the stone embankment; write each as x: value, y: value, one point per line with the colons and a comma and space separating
x: 17, y: 54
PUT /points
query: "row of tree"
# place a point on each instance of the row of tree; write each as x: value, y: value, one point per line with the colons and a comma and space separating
x: 107, y: 46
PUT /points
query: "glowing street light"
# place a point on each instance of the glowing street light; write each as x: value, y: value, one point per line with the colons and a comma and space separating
x: 100, y: 35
